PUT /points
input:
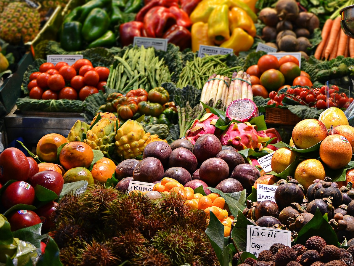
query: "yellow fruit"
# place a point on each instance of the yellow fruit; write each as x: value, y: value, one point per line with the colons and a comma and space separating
x: 333, y: 116
x: 308, y: 132
x: 281, y: 159
x: 4, y: 64
x: 347, y: 132
x: 309, y: 170
x: 78, y: 174
x: 336, y: 151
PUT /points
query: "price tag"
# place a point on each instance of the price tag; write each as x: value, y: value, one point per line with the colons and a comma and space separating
x: 266, y: 162
x: 141, y: 186
x: 265, y: 48
x: 262, y: 238
x: 213, y: 50
x: 70, y: 59
x: 280, y: 55
x: 158, y: 44
x: 266, y: 192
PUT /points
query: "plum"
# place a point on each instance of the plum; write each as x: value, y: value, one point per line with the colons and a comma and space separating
x: 197, y: 183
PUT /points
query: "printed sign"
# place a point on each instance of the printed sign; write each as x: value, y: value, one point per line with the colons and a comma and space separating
x: 213, y: 50
x: 265, y: 48
x: 158, y: 44
x: 262, y: 238
x: 280, y: 55
x: 70, y: 59
x: 141, y: 186
x: 266, y: 192
x: 265, y: 162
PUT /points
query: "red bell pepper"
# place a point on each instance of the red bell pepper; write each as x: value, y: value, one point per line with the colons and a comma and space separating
x: 189, y: 5
x: 179, y: 36
x: 181, y: 16
x: 130, y: 30
x: 157, y: 20
x: 154, y: 3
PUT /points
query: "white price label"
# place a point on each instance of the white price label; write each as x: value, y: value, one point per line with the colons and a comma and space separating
x: 69, y: 59
x: 280, y: 55
x: 266, y: 192
x: 141, y: 186
x: 158, y: 44
x: 265, y: 48
x: 262, y: 238
x: 213, y: 50
x: 266, y: 162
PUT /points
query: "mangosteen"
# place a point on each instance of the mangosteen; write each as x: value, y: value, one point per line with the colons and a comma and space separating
x: 322, y: 206
x: 288, y: 215
x: 266, y: 208
x: 267, y: 221
x: 288, y: 193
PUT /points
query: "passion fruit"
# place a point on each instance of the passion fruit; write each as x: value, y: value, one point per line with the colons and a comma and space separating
x: 309, y: 170
x: 308, y: 132
x: 336, y: 151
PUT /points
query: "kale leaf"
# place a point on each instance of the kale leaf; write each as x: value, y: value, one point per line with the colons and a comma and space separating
x: 27, y: 104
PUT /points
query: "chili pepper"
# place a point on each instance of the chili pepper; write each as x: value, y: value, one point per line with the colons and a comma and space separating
x: 239, y: 41
x: 70, y: 36
x: 89, y: 6
x: 238, y: 18
x: 189, y: 5
x: 148, y: 108
x: 171, y: 114
x: 163, y: 119
x: 130, y: 30
x: 158, y: 95
x: 204, y: 9
x: 116, y: 16
x: 245, y: 7
x: 140, y: 94
x: 181, y: 16
x: 133, y: 6
x: 218, y: 24
x: 126, y: 108
x: 157, y: 19
x: 95, y: 25
x: 154, y: 3
x: 179, y: 36
x: 106, y: 40
x: 74, y: 15
x: 200, y: 35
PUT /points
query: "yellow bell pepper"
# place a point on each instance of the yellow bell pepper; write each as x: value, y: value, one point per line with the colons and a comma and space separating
x: 239, y: 41
x: 200, y: 36
x: 203, y: 10
x: 218, y: 24
x: 238, y: 18
x: 251, y: 4
x: 245, y: 7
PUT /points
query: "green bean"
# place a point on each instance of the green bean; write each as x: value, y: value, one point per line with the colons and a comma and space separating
x: 125, y: 64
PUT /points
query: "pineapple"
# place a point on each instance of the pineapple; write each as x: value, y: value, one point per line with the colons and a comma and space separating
x: 19, y: 21
x: 46, y: 4
x: 3, y: 4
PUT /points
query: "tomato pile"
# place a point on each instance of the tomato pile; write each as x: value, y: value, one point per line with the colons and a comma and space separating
x: 313, y: 97
x: 62, y: 81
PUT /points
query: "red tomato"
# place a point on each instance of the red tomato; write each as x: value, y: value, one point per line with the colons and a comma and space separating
x: 32, y: 84
x: 50, y: 95
x: 56, y: 82
x: 254, y: 71
x: 321, y: 104
x: 310, y: 98
x: 59, y: 65
x: 304, y: 74
x: 68, y: 93
x: 67, y: 72
x: 259, y: 90
x: 77, y: 83
x: 34, y: 75
x: 36, y: 93
x: 45, y: 67
x: 288, y: 58
x: 84, y: 69
x: 267, y: 62
x: 255, y: 80
x: 103, y: 72
x: 81, y: 62
x: 42, y: 80
x: 285, y: 86
x: 271, y: 102
x: 272, y: 94
x: 321, y: 97
x: 91, y: 78
x: 100, y: 86
x: 52, y: 71
x: 87, y: 91
x: 302, y: 81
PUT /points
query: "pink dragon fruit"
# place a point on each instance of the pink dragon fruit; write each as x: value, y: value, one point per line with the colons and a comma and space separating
x: 206, y: 125
x: 242, y: 136
x: 242, y: 110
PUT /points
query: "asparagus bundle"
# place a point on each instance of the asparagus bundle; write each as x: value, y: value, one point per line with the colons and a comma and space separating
x: 215, y: 90
x: 240, y: 87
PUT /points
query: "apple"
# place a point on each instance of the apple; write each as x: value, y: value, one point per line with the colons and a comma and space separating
x: 46, y: 213
x: 13, y: 165
x: 23, y: 218
x: 33, y: 167
x: 19, y: 192
x: 49, y: 179
x: 43, y: 246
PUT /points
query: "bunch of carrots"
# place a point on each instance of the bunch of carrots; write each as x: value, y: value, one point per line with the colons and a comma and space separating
x: 334, y: 41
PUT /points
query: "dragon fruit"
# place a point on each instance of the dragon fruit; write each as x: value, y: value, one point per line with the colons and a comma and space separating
x: 242, y: 136
x: 242, y: 110
x: 206, y: 125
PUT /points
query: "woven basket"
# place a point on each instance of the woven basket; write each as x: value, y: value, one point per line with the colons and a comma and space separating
x: 281, y: 116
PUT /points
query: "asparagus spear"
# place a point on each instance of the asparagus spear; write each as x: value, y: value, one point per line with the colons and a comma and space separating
x: 244, y: 93
x: 221, y: 88
x: 237, y: 91
x: 249, y: 88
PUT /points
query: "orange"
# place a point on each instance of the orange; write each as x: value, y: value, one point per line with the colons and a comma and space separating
x: 227, y: 231
x: 204, y: 202
x: 103, y: 170
x: 49, y: 167
x: 76, y: 154
x: 281, y: 159
x: 158, y: 187
x: 223, y: 215
x: 213, y: 196
x: 193, y: 204
x: 47, y: 146
x: 265, y: 180
x: 166, y: 180
x: 107, y: 161
x: 219, y: 202
x: 198, y: 195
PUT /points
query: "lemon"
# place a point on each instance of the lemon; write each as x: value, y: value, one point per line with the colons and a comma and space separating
x: 78, y: 174
x: 333, y: 116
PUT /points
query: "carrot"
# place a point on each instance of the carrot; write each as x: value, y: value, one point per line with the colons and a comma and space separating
x: 351, y: 47
x: 335, y: 48
x: 333, y: 36
x: 346, y: 53
x: 342, y: 44
x: 324, y: 49
x: 325, y: 33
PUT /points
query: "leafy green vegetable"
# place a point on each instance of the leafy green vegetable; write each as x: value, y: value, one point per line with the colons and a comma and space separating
x: 260, y: 4
x: 44, y: 194
x: 27, y: 104
x: 73, y: 188
x: 305, y: 112
x: 239, y: 232
x: 174, y: 133
x: 51, y: 255
x: 182, y: 96
x: 92, y: 103
x: 30, y: 234
x: 315, y: 39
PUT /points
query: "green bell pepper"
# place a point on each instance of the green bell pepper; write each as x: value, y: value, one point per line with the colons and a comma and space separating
x: 171, y: 114
x: 107, y: 40
x: 70, y: 37
x: 163, y: 119
x: 74, y: 15
x: 158, y: 95
x: 148, y: 108
x: 96, y: 24
x: 119, y: 3
x: 133, y: 6
x: 153, y: 121
x: 117, y: 16
x: 89, y: 6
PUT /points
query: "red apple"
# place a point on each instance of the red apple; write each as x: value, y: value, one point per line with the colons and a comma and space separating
x: 46, y: 213
x: 49, y: 179
x: 33, y: 167
x: 23, y: 218
x: 43, y: 246
x: 19, y: 192
x: 13, y: 165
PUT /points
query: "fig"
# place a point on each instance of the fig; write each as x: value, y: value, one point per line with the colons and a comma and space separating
x: 182, y: 143
x: 206, y: 146
x: 267, y: 221
x: 149, y: 170
x: 158, y: 149
x: 246, y: 174
x: 197, y: 183
x: 213, y: 170
x: 229, y: 185
x: 123, y: 184
x: 266, y: 208
x: 178, y: 173
x: 231, y: 157
x: 126, y: 168
x: 288, y: 193
x: 182, y: 157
